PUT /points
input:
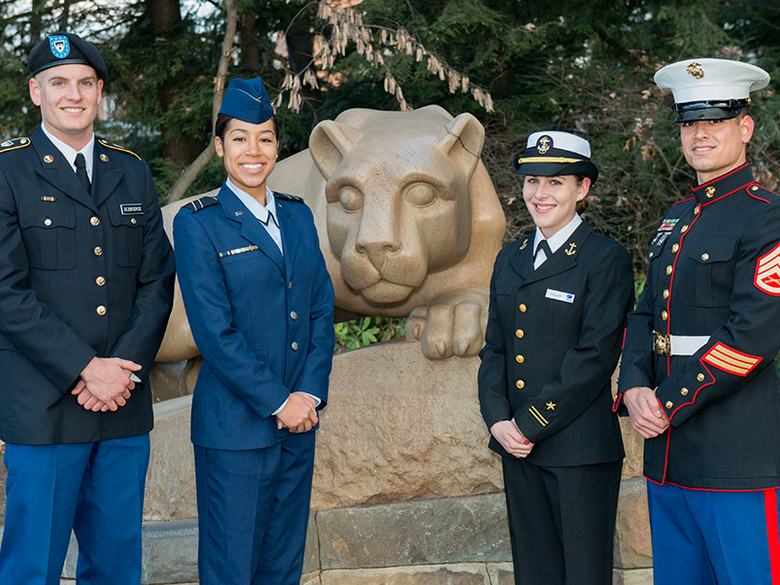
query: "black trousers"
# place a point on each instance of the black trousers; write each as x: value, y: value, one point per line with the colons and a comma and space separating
x: 562, y: 522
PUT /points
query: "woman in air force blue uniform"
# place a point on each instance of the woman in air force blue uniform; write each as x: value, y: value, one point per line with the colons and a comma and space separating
x: 260, y: 304
x: 558, y: 303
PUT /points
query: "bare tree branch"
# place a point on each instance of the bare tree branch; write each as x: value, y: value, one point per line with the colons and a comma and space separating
x: 191, y: 172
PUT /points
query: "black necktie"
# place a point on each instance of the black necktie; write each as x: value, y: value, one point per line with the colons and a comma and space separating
x: 81, y: 171
x: 544, y: 246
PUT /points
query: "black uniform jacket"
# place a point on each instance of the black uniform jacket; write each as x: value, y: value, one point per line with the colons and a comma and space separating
x: 80, y: 275
x: 552, y: 343
x: 714, y: 271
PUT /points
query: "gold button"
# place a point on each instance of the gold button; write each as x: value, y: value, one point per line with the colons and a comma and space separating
x: 523, y: 308
x: 705, y: 256
x: 98, y: 251
x: 754, y: 188
x: 519, y: 333
x: 666, y: 293
x: 294, y: 345
x: 675, y: 248
x: 133, y: 220
x: 519, y: 359
x: 696, y: 210
x: 668, y: 270
x: 684, y: 392
x: 700, y: 377
x: 101, y: 310
x: 100, y: 281
x: 47, y: 222
x: 669, y: 404
x: 293, y: 315
x: 684, y: 229
x: 650, y: 255
x: 94, y: 220
x: 664, y: 315
x: 520, y: 384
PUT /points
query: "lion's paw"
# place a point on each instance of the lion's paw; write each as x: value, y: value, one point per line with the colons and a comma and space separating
x: 454, y: 324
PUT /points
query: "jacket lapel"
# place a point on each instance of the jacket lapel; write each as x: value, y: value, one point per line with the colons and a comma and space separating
x: 57, y: 171
x: 251, y: 228
x: 289, y: 232
x: 564, y: 258
x: 105, y: 176
x: 522, y: 262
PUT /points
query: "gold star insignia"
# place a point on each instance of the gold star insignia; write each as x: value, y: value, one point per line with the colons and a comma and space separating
x: 551, y: 405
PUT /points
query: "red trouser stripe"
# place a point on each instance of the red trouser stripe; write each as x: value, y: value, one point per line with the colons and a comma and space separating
x: 773, y: 534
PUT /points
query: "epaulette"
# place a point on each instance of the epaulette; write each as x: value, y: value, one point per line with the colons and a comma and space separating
x: 201, y: 203
x: 14, y: 143
x: 117, y: 147
x: 756, y: 189
x: 287, y: 197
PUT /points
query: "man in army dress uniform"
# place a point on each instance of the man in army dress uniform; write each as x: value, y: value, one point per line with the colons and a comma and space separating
x: 86, y: 285
x: 698, y: 375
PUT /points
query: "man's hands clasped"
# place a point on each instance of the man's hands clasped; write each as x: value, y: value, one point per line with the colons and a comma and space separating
x: 105, y: 384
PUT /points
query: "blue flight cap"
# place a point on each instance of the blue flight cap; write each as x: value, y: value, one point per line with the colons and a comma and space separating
x: 62, y: 48
x: 247, y: 100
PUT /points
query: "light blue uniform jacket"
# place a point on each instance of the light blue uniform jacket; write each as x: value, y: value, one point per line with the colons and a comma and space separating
x: 262, y: 322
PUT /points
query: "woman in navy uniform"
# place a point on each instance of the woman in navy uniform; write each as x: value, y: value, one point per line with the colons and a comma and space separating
x: 260, y: 304
x: 558, y: 304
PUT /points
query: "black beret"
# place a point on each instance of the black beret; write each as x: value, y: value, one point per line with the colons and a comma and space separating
x: 62, y: 48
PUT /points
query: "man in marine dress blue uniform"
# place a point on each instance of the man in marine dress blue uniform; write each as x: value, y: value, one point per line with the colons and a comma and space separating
x: 698, y: 375
x: 86, y: 285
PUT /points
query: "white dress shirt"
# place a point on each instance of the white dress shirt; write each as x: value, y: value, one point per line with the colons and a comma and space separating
x: 555, y: 241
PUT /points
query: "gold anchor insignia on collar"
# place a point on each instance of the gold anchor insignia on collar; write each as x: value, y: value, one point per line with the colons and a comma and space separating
x: 48, y: 159
x: 551, y: 405
x: 695, y: 70
x: 570, y: 251
x: 544, y: 145
x: 524, y: 244
x: 710, y: 192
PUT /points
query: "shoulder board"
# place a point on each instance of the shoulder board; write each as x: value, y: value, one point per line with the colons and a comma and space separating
x: 201, y: 203
x: 14, y: 143
x: 287, y: 197
x: 759, y: 190
x: 117, y: 147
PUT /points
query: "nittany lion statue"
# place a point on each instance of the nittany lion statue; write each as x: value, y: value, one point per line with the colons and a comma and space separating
x: 408, y: 220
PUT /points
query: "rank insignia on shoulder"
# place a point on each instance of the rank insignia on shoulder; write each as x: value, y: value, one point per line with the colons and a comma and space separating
x: 767, y: 278
x: 287, y: 197
x: 14, y: 143
x: 117, y: 147
x: 730, y: 360
x: 201, y: 203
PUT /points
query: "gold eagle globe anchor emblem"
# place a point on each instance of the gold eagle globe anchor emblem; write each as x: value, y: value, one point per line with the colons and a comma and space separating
x: 695, y: 70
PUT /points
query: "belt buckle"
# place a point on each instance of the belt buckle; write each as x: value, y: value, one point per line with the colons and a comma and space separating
x: 662, y: 344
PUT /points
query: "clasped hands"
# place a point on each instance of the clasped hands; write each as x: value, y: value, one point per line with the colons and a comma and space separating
x: 105, y: 384
x: 299, y: 415
x: 647, y: 416
x: 511, y: 438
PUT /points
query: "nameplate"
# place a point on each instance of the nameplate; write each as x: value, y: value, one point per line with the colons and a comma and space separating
x: 557, y: 295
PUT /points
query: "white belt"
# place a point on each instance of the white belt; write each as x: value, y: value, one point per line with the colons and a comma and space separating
x: 678, y: 344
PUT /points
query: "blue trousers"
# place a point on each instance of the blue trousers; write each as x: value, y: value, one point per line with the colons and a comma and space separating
x: 93, y: 489
x: 703, y: 537
x: 253, y: 511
